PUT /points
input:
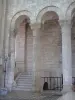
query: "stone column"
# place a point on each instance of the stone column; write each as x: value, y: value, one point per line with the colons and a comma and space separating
x: 36, y: 76
x: 10, y: 64
x: 66, y: 56
x: 3, y: 34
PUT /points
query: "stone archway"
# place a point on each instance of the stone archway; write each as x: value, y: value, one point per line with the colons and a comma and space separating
x: 11, y: 54
x: 50, y: 8
x: 44, y: 20
x: 70, y: 12
x: 14, y: 18
x: 50, y: 41
x: 21, y: 36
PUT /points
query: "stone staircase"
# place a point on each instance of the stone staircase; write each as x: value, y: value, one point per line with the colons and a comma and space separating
x: 24, y: 82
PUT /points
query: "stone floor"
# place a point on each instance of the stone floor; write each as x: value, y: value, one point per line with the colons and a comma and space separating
x: 68, y: 96
x: 21, y: 95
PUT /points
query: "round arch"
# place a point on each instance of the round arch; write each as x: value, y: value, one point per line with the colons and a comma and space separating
x: 16, y: 16
x: 70, y: 12
x: 49, y: 8
x: 11, y: 45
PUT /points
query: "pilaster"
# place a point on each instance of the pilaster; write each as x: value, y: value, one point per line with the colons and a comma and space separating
x: 66, y: 56
x: 36, y: 51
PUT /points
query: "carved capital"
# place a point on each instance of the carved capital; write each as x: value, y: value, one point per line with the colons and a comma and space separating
x: 64, y: 22
x: 35, y: 26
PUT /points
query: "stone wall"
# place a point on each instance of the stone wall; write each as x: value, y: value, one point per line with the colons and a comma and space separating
x: 50, y: 44
x: 1, y: 43
x: 20, y: 51
x: 32, y: 8
x: 23, y: 50
x: 29, y: 65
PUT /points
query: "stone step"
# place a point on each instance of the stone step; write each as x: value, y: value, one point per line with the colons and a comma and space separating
x: 24, y: 73
x: 27, y: 76
x: 24, y: 85
x: 24, y: 89
x: 24, y: 79
x: 24, y: 82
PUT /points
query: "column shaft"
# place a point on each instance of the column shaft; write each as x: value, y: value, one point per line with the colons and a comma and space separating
x: 35, y: 57
x: 3, y: 34
x: 66, y: 56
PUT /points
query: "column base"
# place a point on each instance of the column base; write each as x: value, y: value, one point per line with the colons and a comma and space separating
x: 34, y: 86
x: 67, y: 88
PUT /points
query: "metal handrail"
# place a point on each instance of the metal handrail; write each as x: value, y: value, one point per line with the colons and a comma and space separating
x: 54, y: 83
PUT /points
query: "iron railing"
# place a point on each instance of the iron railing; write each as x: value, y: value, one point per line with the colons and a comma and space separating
x: 73, y: 80
x: 54, y: 83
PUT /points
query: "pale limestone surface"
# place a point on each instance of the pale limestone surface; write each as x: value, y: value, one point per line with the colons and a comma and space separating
x: 22, y: 95
x: 34, y: 10
x: 68, y: 96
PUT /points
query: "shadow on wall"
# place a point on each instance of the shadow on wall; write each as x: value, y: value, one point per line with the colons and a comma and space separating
x: 45, y: 86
